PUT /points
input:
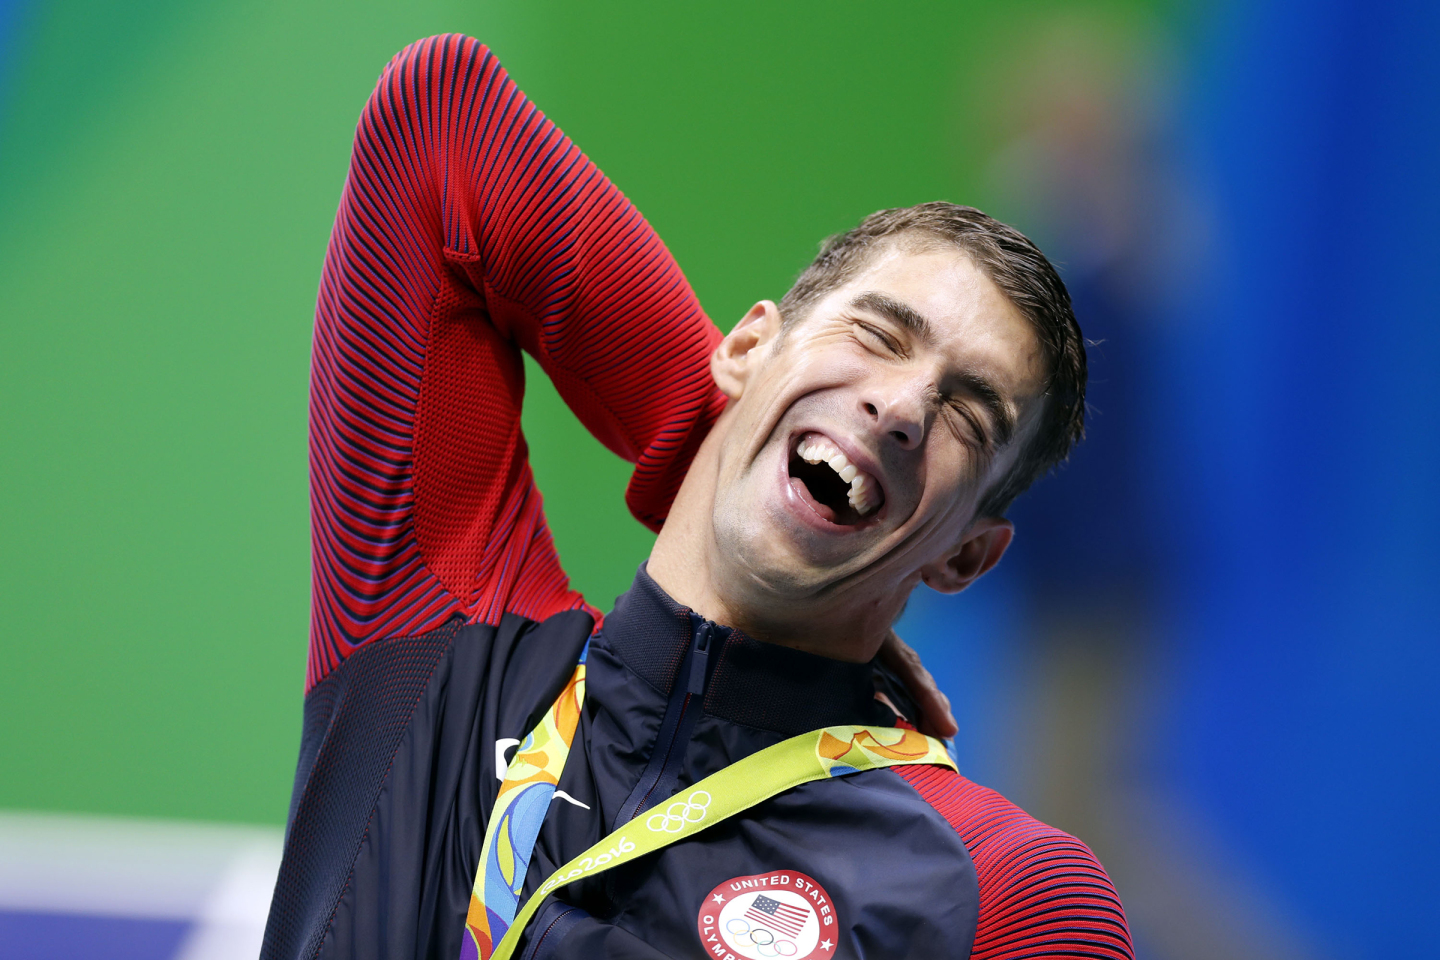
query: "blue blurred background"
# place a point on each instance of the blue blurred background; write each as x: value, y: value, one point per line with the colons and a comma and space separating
x: 1211, y: 652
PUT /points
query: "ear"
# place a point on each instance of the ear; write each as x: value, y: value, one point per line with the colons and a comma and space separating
x: 985, y: 543
x: 740, y: 353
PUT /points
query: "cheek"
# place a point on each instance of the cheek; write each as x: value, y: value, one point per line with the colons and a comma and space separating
x: 837, y: 358
x: 776, y: 395
x: 959, y: 463
x: 951, y: 480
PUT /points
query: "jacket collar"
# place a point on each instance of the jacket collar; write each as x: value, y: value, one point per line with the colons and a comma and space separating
x: 759, y: 684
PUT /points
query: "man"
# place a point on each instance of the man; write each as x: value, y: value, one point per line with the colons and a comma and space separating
x: 809, y: 469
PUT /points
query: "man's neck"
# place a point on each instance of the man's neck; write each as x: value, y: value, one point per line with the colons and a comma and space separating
x: 698, y: 594
x: 681, y: 564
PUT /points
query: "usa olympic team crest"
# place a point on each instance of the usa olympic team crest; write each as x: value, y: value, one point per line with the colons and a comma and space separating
x: 780, y: 914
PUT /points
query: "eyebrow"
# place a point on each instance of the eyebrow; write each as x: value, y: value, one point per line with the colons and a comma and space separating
x: 896, y: 311
x: 904, y: 315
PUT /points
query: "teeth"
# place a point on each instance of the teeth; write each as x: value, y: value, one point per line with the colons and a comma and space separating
x: 864, y: 491
x: 815, y: 449
x: 860, y: 490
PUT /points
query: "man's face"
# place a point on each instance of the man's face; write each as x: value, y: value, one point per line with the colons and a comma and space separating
x: 925, y: 380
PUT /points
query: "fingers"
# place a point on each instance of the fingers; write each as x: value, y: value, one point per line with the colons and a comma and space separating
x: 935, y: 717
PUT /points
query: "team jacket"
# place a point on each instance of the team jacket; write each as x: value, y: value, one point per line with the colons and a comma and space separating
x: 443, y: 626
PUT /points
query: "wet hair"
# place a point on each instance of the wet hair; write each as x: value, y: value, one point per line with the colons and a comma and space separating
x: 1022, y: 273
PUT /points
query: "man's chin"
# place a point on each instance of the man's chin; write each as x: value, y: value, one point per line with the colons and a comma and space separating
x: 790, y: 561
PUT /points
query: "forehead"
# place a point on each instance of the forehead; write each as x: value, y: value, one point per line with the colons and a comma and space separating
x: 973, y: 325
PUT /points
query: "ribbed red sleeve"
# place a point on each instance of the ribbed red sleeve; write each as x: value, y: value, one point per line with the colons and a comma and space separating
x: 470, y: 228
x: 1042, y: 892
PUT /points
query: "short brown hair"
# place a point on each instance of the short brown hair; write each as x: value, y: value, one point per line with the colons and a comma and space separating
x: 1022, y: 273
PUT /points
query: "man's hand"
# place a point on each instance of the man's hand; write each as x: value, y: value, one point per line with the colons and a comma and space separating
x: 935, y: 718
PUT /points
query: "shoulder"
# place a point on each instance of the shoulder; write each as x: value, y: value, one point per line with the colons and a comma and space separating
x: 1043, y: 893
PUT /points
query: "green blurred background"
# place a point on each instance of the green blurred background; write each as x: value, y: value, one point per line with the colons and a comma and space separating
x: 168, y: 176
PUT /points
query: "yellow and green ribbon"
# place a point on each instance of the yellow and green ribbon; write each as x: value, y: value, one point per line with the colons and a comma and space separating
x: 817, y: 755
x: 525, y: 793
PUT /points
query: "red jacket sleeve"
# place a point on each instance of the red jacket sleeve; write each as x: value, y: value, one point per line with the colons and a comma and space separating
x: 469, y: 228
x: 1043, y: 894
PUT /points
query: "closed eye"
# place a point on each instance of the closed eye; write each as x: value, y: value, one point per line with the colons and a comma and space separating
x: 976, y: 434
x: 875, y: 333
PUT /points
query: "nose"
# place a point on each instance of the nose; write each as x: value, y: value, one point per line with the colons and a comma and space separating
x: 896, y: 410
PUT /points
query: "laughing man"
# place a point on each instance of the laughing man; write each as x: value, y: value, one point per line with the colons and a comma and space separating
x: 486, y: 768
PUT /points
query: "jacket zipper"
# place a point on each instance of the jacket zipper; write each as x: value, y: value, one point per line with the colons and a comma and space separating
x: 671, y: 755
x: 539, y: 943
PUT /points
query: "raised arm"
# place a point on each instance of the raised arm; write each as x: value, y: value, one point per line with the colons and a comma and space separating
x: 471, y: 227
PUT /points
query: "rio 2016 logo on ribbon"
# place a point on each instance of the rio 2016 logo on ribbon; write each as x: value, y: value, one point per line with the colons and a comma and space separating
x: 674, y: 817
x: 782, y: 914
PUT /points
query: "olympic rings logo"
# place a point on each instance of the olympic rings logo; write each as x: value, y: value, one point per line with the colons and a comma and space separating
x: 690, y: 810
x: 760, y: 939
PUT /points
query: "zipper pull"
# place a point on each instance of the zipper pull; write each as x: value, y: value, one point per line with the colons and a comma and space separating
x: 698, y: 658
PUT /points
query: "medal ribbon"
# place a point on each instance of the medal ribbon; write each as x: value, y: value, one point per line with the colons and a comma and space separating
x: 817, y: 755
x: 525, y: 794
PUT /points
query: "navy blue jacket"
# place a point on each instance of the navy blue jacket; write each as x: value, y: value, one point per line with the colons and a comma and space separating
x: 391, y: 877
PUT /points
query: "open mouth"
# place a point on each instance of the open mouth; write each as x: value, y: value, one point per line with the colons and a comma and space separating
x: 837, y: 490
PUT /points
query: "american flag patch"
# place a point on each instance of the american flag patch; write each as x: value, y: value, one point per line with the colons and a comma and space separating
x: 780, y: 916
